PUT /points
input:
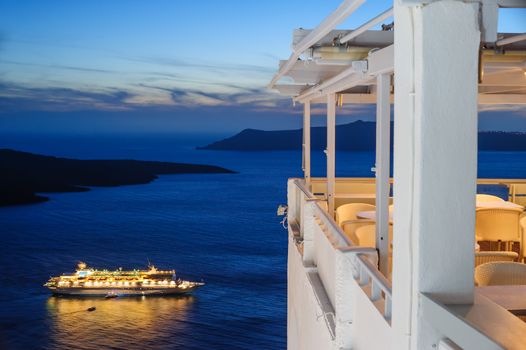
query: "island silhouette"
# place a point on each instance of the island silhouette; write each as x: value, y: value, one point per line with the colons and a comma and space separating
x: 24, y: 176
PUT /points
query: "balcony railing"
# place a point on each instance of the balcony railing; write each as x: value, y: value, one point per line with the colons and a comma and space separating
x: 351, y: 281
x: 346, y: 271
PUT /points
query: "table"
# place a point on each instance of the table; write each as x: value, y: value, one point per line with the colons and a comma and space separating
x: 355, y: 195
x: 499, y: 205
x: 371, y: 215
x: 512, y: 298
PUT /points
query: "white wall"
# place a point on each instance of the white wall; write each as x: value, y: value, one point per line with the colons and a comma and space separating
x: 435, y: 158
x: 306, y: 326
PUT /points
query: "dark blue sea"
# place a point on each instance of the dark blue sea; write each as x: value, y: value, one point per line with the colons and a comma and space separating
x: 219, y: 228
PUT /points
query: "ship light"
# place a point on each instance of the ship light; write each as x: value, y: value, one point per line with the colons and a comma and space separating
x: 88, y: 283
x: 96, y: 283
x: 119, y: 283
x: 126, y: 284
x: 76, y: 283
x: 113, y: 283
x: 106, y: 283
x: 165, y: 282
x: 172, y: 283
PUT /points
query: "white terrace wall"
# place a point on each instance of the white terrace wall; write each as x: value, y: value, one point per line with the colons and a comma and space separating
x: 435, y: 160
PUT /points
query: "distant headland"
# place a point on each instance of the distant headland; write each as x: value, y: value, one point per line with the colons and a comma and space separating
x: 356, y: 136
x: 24, y: 175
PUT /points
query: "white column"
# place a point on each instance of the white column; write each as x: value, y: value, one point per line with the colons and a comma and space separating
x: 331, y: 150
x: 435, y: 161
x: 306, y: 142
x: 383, y: 129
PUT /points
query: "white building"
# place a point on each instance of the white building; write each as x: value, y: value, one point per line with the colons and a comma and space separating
x: 416, y: 289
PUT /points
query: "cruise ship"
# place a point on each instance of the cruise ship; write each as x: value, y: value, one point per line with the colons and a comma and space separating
x: 92, y: 282
x: 423, y: 257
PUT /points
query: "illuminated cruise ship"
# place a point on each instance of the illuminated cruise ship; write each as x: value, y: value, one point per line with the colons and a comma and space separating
x: 92, y: 282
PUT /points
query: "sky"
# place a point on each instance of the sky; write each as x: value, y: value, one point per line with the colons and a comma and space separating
x: 99, y: 66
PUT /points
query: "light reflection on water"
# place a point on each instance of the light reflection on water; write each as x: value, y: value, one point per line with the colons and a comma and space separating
x: 129, y: 323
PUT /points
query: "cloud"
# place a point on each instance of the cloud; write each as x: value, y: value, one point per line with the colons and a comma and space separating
x: 203, y: 64
x: 256, y: 98
x: 58, y: 66
x: 14, y: 97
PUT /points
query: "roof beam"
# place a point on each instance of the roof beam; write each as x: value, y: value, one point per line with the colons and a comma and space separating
x: 341, y: 13
x: 318, y: 89
x: 380, y: 18
x: 511, y: 3
x: 378, y: 62
x: 511, y: 40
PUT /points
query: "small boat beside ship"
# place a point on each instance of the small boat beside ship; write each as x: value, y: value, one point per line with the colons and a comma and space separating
x: 87, y: 281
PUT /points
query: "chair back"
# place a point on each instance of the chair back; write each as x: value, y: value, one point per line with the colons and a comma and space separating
x: 366, y: 236
x: 497, y: 224
x: 348, y: 211
x: 500, y: 274
x: 488, y: 198
x: 486, y: 257
x: 349, y: 227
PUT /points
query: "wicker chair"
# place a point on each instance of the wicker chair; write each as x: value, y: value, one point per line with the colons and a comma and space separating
x: 366, y: 235
x: 498, y: 224
x: 350, y: 227
x: 488, y: 198
x: 500, y: 273
x: 348, y: 211
x: 486, y: 257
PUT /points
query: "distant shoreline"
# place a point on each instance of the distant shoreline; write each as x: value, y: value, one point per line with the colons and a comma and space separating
x: 25, y: 176
x: 355, y: 136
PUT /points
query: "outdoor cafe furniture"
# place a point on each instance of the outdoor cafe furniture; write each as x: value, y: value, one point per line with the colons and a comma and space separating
x: 488, y: 198
x: 500, y: 273
x: 493, y: 256
x: 498, y: 224
x: 348, y: 211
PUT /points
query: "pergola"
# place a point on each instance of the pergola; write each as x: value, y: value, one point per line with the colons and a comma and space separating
x: 356, y: 67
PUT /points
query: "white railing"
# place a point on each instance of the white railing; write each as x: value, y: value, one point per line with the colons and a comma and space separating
x: 380, y: 287
x: 344, y: 269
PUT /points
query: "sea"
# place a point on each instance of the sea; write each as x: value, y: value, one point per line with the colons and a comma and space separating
x: 219, y: 228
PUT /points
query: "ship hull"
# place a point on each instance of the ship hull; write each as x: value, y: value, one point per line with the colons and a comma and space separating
x: 121, y: 291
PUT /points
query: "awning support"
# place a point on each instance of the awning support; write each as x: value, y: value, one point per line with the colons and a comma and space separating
x: 383, y: 131
x: 306, y: 142
x: 331, y: 150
